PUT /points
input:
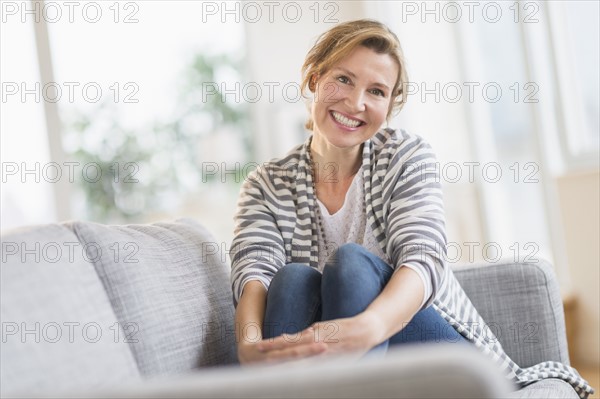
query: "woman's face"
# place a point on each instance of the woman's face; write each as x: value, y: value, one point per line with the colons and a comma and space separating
x: 352, y: 99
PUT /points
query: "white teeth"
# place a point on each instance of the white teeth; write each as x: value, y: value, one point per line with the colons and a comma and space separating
x: 345, y: 121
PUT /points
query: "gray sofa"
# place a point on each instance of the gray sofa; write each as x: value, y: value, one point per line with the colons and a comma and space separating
x: 146, y: 311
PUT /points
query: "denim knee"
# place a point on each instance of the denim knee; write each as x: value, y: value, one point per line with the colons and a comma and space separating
x: 352, y: 281
x: 293, y: 300
x: 296, y: 276
x: 348, y: 253
x: 353, y: 261
x: 295, y: 268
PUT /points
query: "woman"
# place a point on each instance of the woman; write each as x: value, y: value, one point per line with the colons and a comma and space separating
x: 339, y: 245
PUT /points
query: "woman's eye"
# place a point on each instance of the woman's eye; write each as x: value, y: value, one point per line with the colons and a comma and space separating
x: 343, y: 79
x: 378, y: 92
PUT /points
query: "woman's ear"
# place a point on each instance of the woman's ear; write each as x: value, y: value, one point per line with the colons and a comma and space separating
x: 313, y: 82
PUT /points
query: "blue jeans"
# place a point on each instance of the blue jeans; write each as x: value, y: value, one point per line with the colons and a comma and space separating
x: 353, y: 277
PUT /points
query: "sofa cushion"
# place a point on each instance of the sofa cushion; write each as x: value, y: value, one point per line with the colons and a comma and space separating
x: 59, y: 330
x: 171, y: 284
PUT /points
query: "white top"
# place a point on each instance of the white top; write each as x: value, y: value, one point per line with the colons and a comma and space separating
x: 349, y: 224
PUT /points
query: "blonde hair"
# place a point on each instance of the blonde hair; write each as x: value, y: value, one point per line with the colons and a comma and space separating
x: 340, y: 40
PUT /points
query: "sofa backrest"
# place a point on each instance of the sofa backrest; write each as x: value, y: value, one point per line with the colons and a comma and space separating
x: 87, y: 305
x: 159, y: 296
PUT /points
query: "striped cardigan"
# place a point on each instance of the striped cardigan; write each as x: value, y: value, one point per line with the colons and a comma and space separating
x: 275, y: 225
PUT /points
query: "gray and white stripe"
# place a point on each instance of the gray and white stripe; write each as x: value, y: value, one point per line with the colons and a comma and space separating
x: 274, y: 225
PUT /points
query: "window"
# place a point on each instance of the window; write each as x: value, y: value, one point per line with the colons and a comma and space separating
x: 534, y: 110
x: 575, y: 36
x: 27, y: 196
x: 136, y: 85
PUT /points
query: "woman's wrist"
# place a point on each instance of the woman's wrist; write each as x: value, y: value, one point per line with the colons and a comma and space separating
x: 244, y: 343
x: 373, y: 326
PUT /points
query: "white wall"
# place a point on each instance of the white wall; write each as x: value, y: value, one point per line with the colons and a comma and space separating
x: 432, y: 56
x: 276, y: 53
x: 579, y: 195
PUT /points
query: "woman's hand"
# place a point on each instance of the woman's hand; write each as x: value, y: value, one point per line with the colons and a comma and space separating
x: 300, y: 346
x: 348, y: 335
x: 248, y: 353
x: 340, y: 336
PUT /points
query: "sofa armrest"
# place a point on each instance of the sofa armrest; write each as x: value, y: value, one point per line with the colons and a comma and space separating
x: 411, y: 371
x: 521, y: 303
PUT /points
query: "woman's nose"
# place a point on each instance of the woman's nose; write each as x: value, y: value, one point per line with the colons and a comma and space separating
x: 355, y: 100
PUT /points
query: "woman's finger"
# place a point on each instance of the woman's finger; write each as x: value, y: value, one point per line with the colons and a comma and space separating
x: 296, y: 352
x: 287, y: 340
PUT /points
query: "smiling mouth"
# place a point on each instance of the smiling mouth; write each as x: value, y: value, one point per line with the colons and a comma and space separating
x: 345, y: 121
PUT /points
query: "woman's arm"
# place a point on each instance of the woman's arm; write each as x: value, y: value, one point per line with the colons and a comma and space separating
x: 416, y: 239
x: 383, y: 316
x: 257, y: 250
x: 257, y: 253
x: 250, y: 312
x: 415, y: 225
x: 249, y: 316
